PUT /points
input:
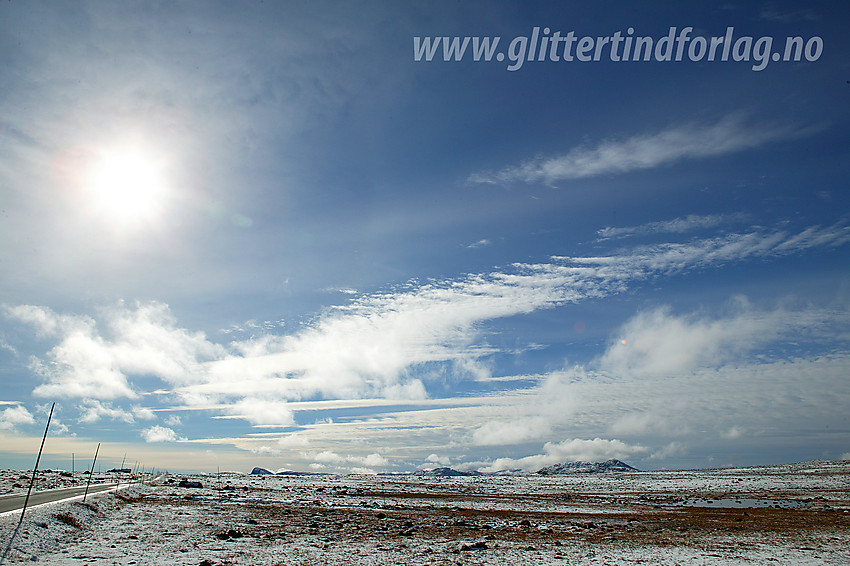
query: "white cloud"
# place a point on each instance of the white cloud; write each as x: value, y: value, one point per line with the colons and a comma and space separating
x: 668, y: 258
x: 92, y: 410
x: 659, y: 343
x: 146, y: 340
x: 265, y: 450
x: 45, y: 321
x: 375, y: 460
x: 146, y: 414
x: 732, y: 433
x: 59, y: 428
x: 688, y: 141
x: 355, y: 464
x: 328, y: 457
x: 500, y: 433
x: 262, y: 411
x: 8, y: 347
x: 437, y: 459
x: 91, y: 362
x: 13, y: 417
x: 293, y: 441
x: 672, y: 449
x: 158, y: 433
x: 479, y: 244
x: 173, y: 420
x: 596, y: 450
x: 81, y: 366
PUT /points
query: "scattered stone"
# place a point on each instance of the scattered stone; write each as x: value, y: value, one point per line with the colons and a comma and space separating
x: 480, y: 545
x: 228, y: 534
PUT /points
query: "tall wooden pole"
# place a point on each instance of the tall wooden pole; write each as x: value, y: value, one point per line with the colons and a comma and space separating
x: 91, y: 473
x: 37, y: 459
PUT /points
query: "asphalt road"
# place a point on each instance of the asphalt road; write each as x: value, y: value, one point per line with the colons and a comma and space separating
x: 13, y: 502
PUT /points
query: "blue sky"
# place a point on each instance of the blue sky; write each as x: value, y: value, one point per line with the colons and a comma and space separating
x: 240, y: 234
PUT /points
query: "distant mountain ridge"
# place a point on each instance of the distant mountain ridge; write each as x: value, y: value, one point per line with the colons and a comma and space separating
x: 264, y: 472
x: 612, y: 465
x: 445, y: 472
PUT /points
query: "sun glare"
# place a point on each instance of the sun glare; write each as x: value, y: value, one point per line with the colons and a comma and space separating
x: 126, y: 187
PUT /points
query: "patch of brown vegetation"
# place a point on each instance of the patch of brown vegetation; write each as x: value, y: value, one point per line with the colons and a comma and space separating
x: 69, y: 520
x: 416, y: 513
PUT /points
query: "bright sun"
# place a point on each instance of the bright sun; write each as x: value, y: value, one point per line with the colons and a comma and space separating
x: 126, y: 186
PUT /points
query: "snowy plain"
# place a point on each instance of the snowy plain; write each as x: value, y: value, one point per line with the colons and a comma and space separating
x: 790, y: 514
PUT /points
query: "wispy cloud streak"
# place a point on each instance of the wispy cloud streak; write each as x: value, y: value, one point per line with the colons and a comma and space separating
x: 690, y: 141
x: 681, y: 225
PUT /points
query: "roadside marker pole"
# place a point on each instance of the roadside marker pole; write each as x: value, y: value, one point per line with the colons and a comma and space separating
x: 121, y: 471
x: 35, y: 469
x: 91, y: 473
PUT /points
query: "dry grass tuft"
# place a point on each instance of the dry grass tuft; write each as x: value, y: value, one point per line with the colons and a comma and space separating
x: 69, y: 520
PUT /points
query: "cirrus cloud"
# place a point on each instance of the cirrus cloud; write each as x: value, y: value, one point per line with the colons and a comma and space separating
x: 688, y: 141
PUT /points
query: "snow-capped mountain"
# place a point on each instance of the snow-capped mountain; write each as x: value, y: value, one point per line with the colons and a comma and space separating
x: 445, y: 472
x: 611, y: 465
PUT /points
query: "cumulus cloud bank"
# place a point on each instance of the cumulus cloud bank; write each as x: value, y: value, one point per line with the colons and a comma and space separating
x: 375, y: 346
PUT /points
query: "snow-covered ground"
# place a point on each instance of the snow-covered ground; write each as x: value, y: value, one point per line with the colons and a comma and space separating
x: 16, y: 481
x: 688, y: 517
